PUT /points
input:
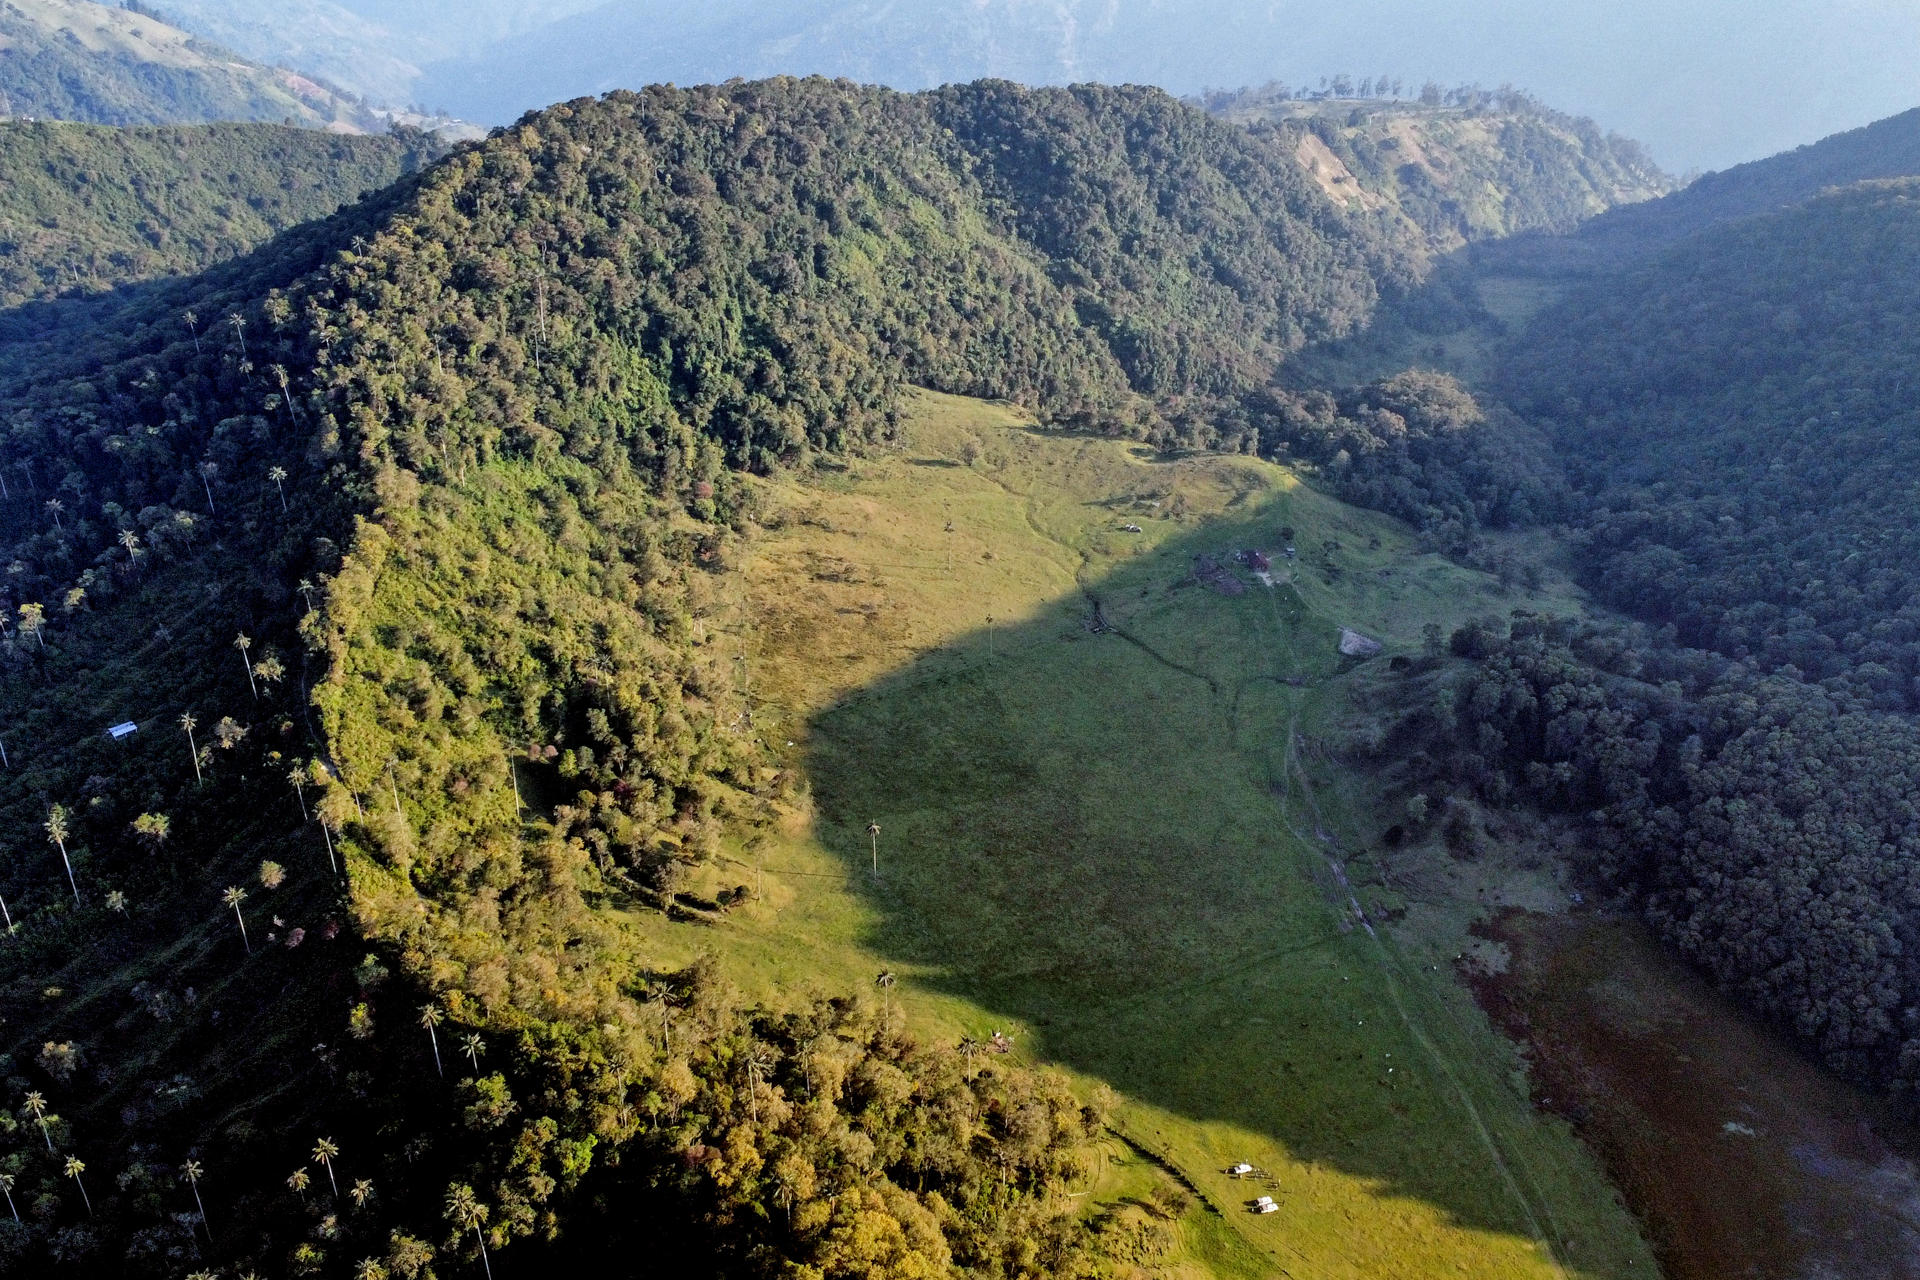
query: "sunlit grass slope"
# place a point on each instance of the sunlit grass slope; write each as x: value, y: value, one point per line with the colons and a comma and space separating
x: 1116, y: 837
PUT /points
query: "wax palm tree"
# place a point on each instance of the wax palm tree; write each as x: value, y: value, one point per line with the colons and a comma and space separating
x: 55, y: 507
x: 75, y: 1167
x: 190, y: 1172
x: 6, y: 914
x: 238, y: 323
x: 286, y: 394
x: 131, y: 541
x: 473, y: 1047
x: 885, y: 982
x: 188, y: 723
x: 297, y: 778
x: 324, y: 1151
x: 783, y: 1194
x: 430, y: 1017
x: 873, y: 836
x: 33, y: 621
x: 152, y: 830
x: 326, y: 833
x: 233, y: 897
x: 57, y: 833
x: 243, y: 644
x: 360, y: 1192
x: 6, y: 1185
x: 297, y: 1183
x: 279, y: 474
x: 464, y: 1210
x: 208, y: 470
x: 306, y: 590
x: 192, y: 322
x: 37, y: 1106
x: 661, y: 994
x: 759, y: 1065
x: 117, y: 902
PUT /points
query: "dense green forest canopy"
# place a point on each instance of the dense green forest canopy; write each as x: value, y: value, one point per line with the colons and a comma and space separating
x: 1767, y: 828
x: 84, y: 207
x: 1887, y: 148
x: 460, y: 463
x: 1626, y: 235
x: 1741, y: 412
x: 1716, y: 400
x: 399, y: 539
x: 1735, y: 420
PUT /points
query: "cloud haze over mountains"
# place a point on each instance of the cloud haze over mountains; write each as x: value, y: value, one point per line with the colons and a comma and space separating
x: 1705, y: 83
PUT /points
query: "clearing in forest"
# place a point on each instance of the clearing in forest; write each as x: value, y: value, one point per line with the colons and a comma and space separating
x: 1112, y: 844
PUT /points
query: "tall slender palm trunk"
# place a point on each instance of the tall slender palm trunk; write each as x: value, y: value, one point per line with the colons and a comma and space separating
x: 68, y: 863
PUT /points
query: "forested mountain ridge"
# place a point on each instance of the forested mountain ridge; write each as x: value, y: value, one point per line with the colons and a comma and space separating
x: 1620, y: 238
x: 104, y: 64
x: 1715, y: 391
x: 401, y: 541
x: 461, y: 461
x: 86, y: 207
x: 1740, y: 411
x: 1461, y: 168
x: 1734, y: 417
x: 1887, y: 148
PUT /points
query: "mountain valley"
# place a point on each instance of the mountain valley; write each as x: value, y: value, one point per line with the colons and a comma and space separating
x: 793, y: 679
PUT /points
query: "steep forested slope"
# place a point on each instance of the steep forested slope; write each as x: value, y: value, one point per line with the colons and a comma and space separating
x: 76, y: 60
x: 1766, y: 826
x: 1623, y: 237
x: 84, y: 207
x: 1887, y: 148
x: 1736, y: 417
x: 1741, y: 410
x: 460, y: 461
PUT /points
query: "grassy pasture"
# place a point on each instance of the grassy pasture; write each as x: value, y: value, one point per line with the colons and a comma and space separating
x: 1124, y: 848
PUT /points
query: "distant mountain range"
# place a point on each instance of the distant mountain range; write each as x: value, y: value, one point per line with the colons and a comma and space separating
x: 1696, y: 98
x: 103, y: 64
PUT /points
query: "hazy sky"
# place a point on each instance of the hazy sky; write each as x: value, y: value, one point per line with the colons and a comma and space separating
x: 1704, y: 83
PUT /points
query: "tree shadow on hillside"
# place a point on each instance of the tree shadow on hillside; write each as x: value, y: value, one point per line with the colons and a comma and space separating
x: 74, y: 333
x: 1082, y: 830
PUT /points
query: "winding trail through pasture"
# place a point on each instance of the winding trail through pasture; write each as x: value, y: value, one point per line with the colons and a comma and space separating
x: 1523, y: 1188
x: 1532, y: 1205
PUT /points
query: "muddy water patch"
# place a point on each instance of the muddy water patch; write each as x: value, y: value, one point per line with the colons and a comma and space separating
x: 1743, y: 1158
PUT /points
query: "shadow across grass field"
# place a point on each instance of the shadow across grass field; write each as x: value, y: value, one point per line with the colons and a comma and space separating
x: 1104, y: 766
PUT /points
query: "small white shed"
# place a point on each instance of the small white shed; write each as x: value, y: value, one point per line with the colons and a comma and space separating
x: 121, y: 730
